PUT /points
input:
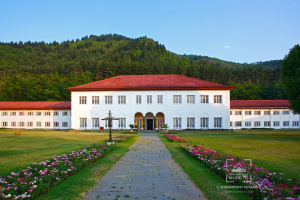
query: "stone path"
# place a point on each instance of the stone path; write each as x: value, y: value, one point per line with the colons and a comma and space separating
x: 147, y: 171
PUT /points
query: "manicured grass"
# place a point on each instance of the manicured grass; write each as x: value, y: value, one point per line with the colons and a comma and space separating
x: 18, y: 151
x: 278, y: 151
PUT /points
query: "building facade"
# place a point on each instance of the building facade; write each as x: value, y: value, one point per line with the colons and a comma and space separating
x: 275, y: 114
x: 35, y: 115
x: 149, y: 102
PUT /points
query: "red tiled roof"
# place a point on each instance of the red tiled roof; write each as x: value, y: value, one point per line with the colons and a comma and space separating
x: 259, y: 104
x: 150, y: 82
x: 36, y: 105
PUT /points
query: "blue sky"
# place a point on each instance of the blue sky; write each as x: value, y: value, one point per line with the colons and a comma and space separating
x: 238, y: 31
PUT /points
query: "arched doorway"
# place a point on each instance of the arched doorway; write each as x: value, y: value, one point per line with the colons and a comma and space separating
x: 159, y: 120
x: 149, y: 119
x: 138, y: 120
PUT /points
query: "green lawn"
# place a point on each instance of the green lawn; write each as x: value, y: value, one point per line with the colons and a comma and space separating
x: 19, y: 151
x: 278, y: 151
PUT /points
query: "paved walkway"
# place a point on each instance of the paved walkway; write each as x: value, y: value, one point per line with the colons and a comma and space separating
x: 147, y: 171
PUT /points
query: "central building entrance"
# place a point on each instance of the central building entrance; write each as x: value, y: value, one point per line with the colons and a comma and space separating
x: 149, y: 121
x: 149, y: 124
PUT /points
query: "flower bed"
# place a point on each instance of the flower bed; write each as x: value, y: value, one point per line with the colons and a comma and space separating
x: 175, y: 138
x: 38, y: 178
x: 262, y: 185
x: 121, y: 138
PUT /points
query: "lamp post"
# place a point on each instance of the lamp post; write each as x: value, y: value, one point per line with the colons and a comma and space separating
x: 110, y: 118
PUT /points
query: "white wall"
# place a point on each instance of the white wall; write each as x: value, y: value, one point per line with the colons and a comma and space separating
x: 34, y: 119
x: 291, y: 117
x: 168, y: 108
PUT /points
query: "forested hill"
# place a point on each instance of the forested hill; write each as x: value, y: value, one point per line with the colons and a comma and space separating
x: 32, y: 71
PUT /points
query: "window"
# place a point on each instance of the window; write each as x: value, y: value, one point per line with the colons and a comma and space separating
x: 56, y: 124
x: 13, y: 113
x: 159, y: 98
x: 286, y: 123
x: 203, y: 98
x: 266, y: 112
x: 266, y: 123
x: 82, y: 122
x: 276, y: 112
x: 257, y: 123
x: 65, y: 124
x: 122, y: 123
x: 190, y: 99
x: 247, y: 112
x: 38, y: 113
x: 13, y: 124
x: 217, y: 98
x: 276, y: 123
x: 190, y: 122
x: 47, y: 124
x: 238, y: 112
x: 256, y: 112
x: 29, y: 113
x: 230, y: 112
x: 4, y: 113
x: 95, y: 122
x: 121, y: 99
x: 230, y: 124
x: 21, y: 113
x: 4, y: 124
x: 177, y: 99
x: 247, y: 124
x: 65, y: 113
x: 159, y: 122
x: 107, y: 123
x: 30, y: 124
x: 285, y: 112
x: 39, y: 124
x: 95, y: 99
x: 204, y: 122
x: 82, y: 100
x: 47, y: 113
x: 218, y: 122
x: 21, y: 124
x: 295, y: 113
x: 139, y: 123
x: 56, y: 113
x: 138, y: 99
x: 295, y: 123
x: 238, y: 124
x: 149, y: 99
x: 177, y: 123
x: 108, y: 100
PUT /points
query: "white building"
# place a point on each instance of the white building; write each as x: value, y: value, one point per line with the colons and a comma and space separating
x: 150, y: 102
x: 35, y: 115
x: 262, y: 114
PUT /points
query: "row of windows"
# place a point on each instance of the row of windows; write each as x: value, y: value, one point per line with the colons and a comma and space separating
x: 258, y: 112
x: 266, y: 123
x: 176, y: 123
x: 96, y: 123
x: 30, y: 124
x: 177, y: 99
x: 191, y: 122
x: 31, y: 113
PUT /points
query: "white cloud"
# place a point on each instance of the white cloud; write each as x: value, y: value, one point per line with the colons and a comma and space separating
x: 227, y: 46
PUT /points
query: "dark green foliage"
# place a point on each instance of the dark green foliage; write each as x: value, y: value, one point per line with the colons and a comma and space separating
x: 40, y: 71
x: 291, y: 76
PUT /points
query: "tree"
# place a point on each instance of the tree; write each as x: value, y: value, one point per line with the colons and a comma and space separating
x: 291, y: 77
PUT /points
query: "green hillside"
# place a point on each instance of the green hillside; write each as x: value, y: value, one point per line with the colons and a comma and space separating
x: 38, y: 71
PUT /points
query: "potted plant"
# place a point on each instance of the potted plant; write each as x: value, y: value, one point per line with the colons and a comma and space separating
x: 131, y: 127
x: 166, y: 128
